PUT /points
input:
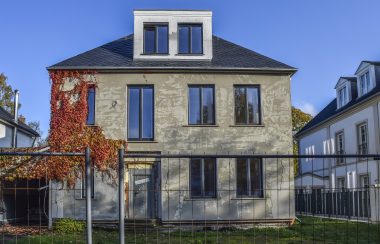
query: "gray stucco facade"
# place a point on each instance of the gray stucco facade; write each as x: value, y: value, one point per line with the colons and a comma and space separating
x: 174, y: 135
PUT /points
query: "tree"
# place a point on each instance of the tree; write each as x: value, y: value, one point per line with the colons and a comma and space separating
x: 6, y: 95
x: 299, y: 120
x: 35, y: 125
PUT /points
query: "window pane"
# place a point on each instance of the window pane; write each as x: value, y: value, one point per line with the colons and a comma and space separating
x: 208, y: 105
x: 209, y: 177
x: 91, y: 106
x: 183, y: 39
x: 162, y: 35
x: 133, y: 113
x: 241, y: 177
x: 195, y: 177
x: 240, y: 105
x: 147, y: 113
x: 196, y: 39
x: 194, y: 105
x: 256, y: 178
x: 149, y: 39
x: 253, y: 106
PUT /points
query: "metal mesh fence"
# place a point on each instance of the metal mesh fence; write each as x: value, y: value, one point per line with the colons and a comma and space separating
x: 187, y: 198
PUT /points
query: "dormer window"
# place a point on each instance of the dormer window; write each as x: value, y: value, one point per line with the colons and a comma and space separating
x: 156, y: 39
x: 365, y: 83
x: 190, y: 39
x: 342, y: 97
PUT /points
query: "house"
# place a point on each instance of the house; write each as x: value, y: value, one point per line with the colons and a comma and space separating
x: 16, y: 134
x: 174, y: 87
x: 349, y: 124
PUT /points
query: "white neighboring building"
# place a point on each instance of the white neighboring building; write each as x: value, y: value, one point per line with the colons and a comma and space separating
x: 347, y: 125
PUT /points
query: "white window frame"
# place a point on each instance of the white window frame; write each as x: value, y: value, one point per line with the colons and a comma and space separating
x: 362, y: 146
x: 342, y: 100
x: 367, y: 82
x: 339, y: 151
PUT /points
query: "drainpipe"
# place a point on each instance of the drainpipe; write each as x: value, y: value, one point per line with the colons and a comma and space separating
x: 15, y: 118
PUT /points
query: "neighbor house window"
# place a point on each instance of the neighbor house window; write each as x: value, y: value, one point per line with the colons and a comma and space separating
x: 201, y: 105
x: 140, y: 113
x: 190, y: 39
x: 90, y: 106
x: 362, y: 138
x: 339, y: 142
x: 364, y: 83
x: 364, y: 181
x: 203, y: 177
x: 83, y: 184
x: 156, y: 39
x: 342, y: 97
x: 247, y: 105
x: 249, y: 177
x: 341, y: 183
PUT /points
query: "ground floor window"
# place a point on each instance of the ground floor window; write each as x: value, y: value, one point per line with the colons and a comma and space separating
x: 203, y: 177
x: 249, y: 177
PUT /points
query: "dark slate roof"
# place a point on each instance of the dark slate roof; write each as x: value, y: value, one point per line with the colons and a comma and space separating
x: 8, y: 117
x: 352, y: 79
x: 119, y: 55
x: 331, y: 110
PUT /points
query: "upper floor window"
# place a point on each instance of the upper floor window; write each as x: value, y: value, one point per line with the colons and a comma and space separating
x: 342, y: 97
x: 339, y: 142
x: 203, y: 177
x: 365, y: 83
x: 90, y: 106
x: 140, y: 113
x: 362, y: 131
x: 247, y: 105
x: 156, y: 39
x: 249, y: 179
x: 201, y: 105
x: 190, y: 39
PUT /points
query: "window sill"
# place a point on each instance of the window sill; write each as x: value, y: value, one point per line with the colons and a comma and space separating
x: 200, y: 126
x: 91, y: 125
x: 190, y: 54
x: 142, y: 141
x: 260, y: 125
x: 154, y: 54
x: 202, y: 199
x: 247, y: 198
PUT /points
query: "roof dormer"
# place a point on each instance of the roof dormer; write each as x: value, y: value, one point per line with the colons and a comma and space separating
x: 177, y: 35
x: 366, y: 74
x: 345, y: 91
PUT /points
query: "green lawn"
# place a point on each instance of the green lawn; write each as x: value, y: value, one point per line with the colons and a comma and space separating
x: 312, y: 230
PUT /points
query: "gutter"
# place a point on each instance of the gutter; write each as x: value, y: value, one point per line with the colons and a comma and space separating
x: 290, y: 71
x: 299, y: 134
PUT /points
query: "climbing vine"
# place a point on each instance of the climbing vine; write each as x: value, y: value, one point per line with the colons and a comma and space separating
x: 68, y: 133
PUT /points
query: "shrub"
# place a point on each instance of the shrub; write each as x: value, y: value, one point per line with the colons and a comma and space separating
x: 68, y: 225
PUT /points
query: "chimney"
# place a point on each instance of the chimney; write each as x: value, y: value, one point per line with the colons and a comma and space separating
x: 15, y: 118
x: 16, y: 106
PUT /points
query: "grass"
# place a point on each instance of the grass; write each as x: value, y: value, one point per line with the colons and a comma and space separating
x: 312, y: 230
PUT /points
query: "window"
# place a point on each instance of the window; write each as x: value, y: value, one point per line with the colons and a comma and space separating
x: 156, y: 39
x: 83, y: 184
x: 342, y: 97
x: 201, y: 105
x: 249, y: 180
x: 341, y: 183
x: 90, y: 106
x: 247, y: 105
x: 140, y: 113
x: 365, y: 83
x: 203, y: 177
x: 362, y: 139
x: 190, y: 39
x: 364, y: 181
x: 339, y: 142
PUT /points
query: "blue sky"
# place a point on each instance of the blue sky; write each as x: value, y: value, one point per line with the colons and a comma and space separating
x: 323, y: 38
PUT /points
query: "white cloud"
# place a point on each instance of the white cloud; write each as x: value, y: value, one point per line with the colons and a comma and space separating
x: 308, y: 108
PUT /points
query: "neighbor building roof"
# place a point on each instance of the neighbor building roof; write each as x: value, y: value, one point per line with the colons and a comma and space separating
x: 118, y: 54
x: 8, y: 118
x: 331, y: 111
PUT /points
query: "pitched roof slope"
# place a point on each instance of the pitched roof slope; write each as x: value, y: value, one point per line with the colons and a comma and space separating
x: 118, y: 54
x: 7, y: 117
x: 331, y: 111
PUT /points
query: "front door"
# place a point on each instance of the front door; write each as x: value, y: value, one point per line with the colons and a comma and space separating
x: 141, y: 194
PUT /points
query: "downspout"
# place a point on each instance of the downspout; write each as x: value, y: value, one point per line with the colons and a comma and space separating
x: 15, y: 118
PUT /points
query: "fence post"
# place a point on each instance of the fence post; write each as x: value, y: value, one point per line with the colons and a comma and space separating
x: 121, y: 196
x: 88, y: 195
